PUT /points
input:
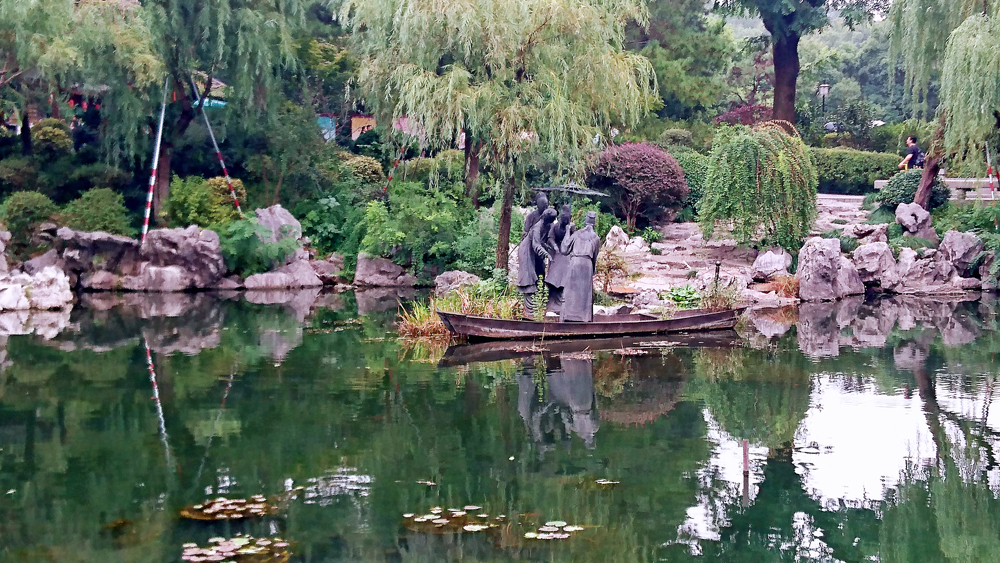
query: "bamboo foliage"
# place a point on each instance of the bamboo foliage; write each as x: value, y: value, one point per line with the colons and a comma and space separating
x: 524, y: 77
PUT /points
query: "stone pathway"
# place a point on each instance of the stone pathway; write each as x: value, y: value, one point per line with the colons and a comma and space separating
x: 686, y: 255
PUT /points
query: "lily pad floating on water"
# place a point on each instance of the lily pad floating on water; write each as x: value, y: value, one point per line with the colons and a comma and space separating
x: 223, y: 508
x: 241, y: 549
x: 453, y: 522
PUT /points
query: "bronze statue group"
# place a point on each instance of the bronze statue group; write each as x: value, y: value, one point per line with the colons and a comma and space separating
x: 571, y: 255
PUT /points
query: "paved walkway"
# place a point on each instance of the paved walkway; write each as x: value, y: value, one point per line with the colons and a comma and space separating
x: 685, y: 253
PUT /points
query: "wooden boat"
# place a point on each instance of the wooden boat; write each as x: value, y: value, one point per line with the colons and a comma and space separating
x: 602, y: 325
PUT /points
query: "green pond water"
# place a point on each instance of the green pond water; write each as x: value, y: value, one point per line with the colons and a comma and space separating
x: 869, y: 427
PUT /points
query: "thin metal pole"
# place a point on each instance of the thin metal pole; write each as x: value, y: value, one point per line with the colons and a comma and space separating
x: 218, y: 153
x: 156, y: 160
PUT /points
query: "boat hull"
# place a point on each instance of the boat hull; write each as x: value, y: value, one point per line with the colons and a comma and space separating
x: 608, y: 326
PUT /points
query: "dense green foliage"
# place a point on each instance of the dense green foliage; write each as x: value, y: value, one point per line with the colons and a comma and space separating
x: 21, y: 213
x: 206, y: 203
x: 846, y: 171
x: 99, y: 209
x: 903, y: 186
x: 245, y: 251
x: 695, y: 168
x: 761, y: 185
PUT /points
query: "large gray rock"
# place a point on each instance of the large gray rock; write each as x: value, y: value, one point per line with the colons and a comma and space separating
x: 916, y: 221
x: 4, y: 239
x: 47, y: 289
x: 773, y: 263
x: 875, y: 263
x: 989, y: 282
x: 50, y: 289
x: 931, y: 274
x: 452, y: 280
x: 330, y: 269
x: 616, y: 240
x: 294, y: 275
x: 825, y: 275
x: 867, y: 234
x: 373, y: 271
x: 157, y: 279
x: 196, y: 251
x: 84, y: 252
x: 961, y: 249
x: 280, y: 222
x: 38, y: 263
x: 737, y: 280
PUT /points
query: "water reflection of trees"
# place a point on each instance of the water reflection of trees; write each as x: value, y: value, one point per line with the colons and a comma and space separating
x: 81, y: 446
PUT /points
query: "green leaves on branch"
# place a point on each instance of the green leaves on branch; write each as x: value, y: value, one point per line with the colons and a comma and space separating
x: 245, y: 251
x: 526, y: 77
x: 761, y: 185
x: 970, y: 85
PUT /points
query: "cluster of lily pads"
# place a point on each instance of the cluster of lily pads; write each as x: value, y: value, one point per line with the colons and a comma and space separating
x: 240, y: 549
x: 223, y: 508
x: 453, y: 520
x: 554, y: 530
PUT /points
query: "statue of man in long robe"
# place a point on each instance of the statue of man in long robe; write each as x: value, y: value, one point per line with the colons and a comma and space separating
x: 559, y: 265
x: 532, y: 254
x: 578, y: 293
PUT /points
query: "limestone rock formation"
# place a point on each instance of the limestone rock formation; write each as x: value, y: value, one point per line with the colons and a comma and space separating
x: 195, y: 251
x: 773, y: 263
x: 297, y: 274
x: 961, y: 249
x: 616, y: 241
x: 373, y: 271
x: 875, y: 264
x: 916, y: 221
x: 824, y: 274
x: 47, y: 289
x: 452, y: 280
x: 330, y: 269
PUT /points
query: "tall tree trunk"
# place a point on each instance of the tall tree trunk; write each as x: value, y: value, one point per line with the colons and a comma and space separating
x: 931, y: 169
x: 54, y: 105
x: 503, y: 237
x: 786, y: 74
x: 25, y: 134
x: 472, y: 169
x: 161, y: 194
x: 935, y: 152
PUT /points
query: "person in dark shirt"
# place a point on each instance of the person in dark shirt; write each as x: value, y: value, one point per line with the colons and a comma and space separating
x: 914, y: 156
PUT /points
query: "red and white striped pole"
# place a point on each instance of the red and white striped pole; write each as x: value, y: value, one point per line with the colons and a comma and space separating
x: 156, y: 161
x: 218, y: 153
x: 159, y: 405
x: 402, y: 151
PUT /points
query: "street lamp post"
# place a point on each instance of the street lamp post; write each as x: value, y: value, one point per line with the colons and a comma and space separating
x: 824, y: 90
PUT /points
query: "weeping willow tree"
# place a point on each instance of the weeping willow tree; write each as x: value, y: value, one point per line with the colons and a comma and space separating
x: 761, y: 185
x: 245, y: 44
x: 523, y: 79
x: 958, y: 39
x: 100, y: 47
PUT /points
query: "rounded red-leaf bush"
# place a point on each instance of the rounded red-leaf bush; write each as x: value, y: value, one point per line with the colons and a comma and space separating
x: 642, y: 179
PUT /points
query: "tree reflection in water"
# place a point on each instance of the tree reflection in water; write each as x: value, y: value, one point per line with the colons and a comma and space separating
x: 263, y: 399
